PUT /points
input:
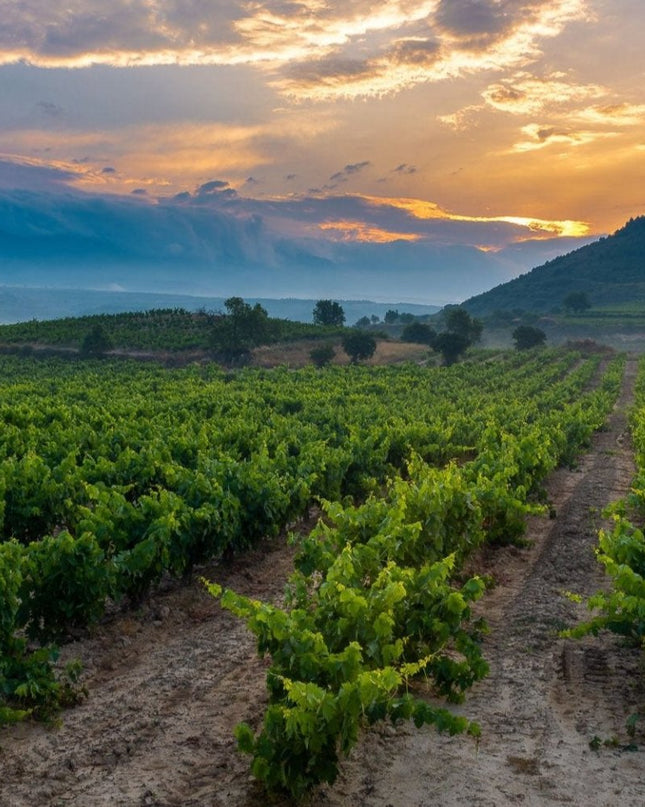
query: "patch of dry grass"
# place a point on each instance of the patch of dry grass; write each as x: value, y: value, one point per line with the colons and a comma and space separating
x: 296, y: 354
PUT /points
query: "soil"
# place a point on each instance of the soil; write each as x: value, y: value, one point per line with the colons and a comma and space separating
x: 168, y: 683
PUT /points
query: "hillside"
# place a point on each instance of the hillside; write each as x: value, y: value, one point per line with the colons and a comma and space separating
x: 155, y: 330
x: 610, y: 271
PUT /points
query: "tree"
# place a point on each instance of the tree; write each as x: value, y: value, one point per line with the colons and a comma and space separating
x: 322, y: 355
x: 363, y: 322
x: 418, y: 332
x: 391, y: 315
x: 328, y: 312
x: 451, y: 346
x: 458, y: 320
x: 359, y: 345
x: 577, y: 302
x: 461, y: 332
x: 243, y: 328
x: 526, y: 336
x: 96, y: 342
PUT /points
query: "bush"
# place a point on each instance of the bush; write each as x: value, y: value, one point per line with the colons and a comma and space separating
x: 451, y: 346
x: 419, y: 333
x: 322, y: 355
x: 359, y: 345
x: 526, y: 337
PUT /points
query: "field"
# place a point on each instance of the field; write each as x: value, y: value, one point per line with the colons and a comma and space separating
x: 407, y: 491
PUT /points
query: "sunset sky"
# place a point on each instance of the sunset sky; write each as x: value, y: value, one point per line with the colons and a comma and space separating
x: 510, y: 129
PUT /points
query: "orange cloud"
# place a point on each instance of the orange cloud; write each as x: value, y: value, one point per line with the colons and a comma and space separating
x: 168, y: 156
x: 541, y: 136
x: 527, y: 95
x: 618, y: 114
x: 421, y: 209
x: 360, y: 231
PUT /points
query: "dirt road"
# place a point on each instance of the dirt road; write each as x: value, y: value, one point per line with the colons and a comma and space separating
x: 168, y: 684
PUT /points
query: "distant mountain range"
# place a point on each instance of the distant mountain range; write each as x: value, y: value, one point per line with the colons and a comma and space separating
x: 610, y: 271
x: 19, y: 304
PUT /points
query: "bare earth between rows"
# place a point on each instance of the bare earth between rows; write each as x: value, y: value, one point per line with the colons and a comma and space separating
x: 168, y: 684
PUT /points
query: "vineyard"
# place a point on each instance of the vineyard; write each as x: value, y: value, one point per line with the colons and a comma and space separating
x: 621, y: 551
x: 116, y: 477
x: 163, y: 329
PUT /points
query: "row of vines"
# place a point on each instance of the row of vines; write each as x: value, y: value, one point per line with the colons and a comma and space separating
x: 378, y: 597
x: 621, y: 549
x: 115, y: 474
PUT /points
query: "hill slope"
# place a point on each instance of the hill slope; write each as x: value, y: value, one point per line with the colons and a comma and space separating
x: 609, y: 271
x: 22, y: 303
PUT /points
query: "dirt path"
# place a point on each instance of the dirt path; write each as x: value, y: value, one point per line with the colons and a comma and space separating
x: 168, y: 684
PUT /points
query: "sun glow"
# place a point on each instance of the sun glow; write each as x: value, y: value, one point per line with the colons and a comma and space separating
x: 360, y: 231
x: 421, y: 209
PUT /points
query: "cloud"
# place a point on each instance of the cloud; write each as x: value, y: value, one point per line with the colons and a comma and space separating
x: 356, y: 216
x: 404, y: 168
x: 465, y: 18
x: 524, y: 94
x: 617, y: 114
x: 539, y: 136
x: 348, y: 171
x: 415, y: 52
x: 32, y: 174
x: 307, y: 49
x: 462, y: 119
x: 161, y: 156
x: 362, y: 232
x: 454, y: 38
x: 214, y: 240
x: 213, y: 186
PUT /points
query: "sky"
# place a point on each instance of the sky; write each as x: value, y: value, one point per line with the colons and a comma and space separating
x: 433, y: 148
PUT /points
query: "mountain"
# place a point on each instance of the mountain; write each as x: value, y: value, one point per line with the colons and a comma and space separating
x: 610, y: 271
